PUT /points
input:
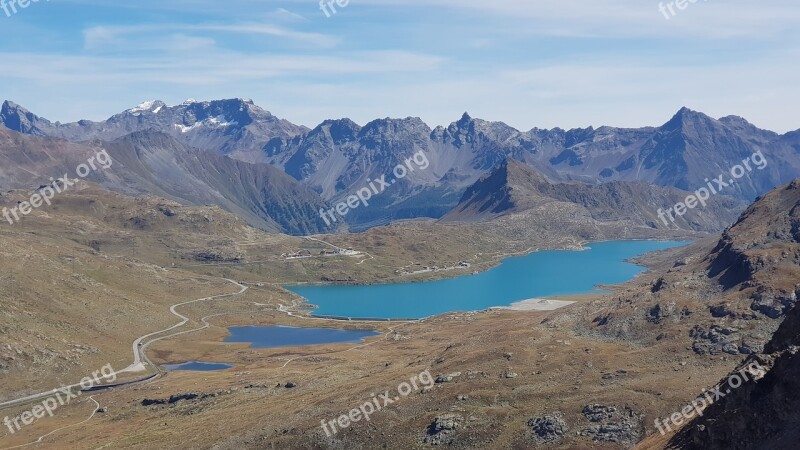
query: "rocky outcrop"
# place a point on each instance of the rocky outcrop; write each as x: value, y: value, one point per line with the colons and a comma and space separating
x: 548, y: 429
x: 442, y: 429
x: 774, y: 304
x: 614, y: 425
x: 762, y: 413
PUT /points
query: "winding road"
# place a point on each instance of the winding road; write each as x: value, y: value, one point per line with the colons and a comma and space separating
x: 139, y: 360
x: 138, y: 350
x: 138, y: 353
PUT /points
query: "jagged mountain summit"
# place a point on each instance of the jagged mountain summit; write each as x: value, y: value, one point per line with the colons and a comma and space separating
x: 684, y: 153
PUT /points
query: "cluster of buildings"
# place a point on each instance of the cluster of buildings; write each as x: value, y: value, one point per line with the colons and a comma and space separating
x: 423, y: 269
x: 306, y: 253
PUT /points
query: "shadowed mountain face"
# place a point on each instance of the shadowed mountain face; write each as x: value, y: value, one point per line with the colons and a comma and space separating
x: 155, y: 163
x: 263, y: 195
x: 339, y: 157
x: 761, y: 251
x: 514, y: 187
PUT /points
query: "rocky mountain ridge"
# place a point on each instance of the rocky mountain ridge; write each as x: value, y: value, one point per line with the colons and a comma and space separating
x: 515, y: 187
x: 338, y: 157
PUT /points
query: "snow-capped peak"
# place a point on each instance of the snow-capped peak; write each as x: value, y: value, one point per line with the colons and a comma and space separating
x: 149, y: 106
x: 189, y: 101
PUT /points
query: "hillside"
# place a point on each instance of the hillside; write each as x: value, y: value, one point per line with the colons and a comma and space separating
x: 157, y: 164
x: 514, y: 187
x: 153, y: 163
x: 762, y: 253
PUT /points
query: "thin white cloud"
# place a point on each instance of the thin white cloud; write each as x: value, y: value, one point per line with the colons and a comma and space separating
x: 208, y: 66
x: 285, y: 14
x: 565, y: 18
x: 624, y: 18
x: 101, y: 37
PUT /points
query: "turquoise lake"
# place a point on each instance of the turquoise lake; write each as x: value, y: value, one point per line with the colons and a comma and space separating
x: 540, y: 274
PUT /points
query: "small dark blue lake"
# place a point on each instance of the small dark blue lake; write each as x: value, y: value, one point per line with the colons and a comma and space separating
x: 281, y: 336
x: 540, y: 274
x: 197, y: 366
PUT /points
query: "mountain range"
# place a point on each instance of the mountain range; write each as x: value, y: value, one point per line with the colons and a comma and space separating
x: 237, y: 155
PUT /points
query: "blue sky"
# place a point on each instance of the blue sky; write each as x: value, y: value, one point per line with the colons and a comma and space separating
x: 567, y: 63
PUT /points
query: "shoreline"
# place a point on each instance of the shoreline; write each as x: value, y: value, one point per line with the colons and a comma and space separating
x: 579, y: 247
x: 531, y: 304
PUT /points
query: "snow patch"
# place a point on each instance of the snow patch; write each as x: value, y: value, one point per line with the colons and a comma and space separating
x: 219, y: 122
x: 185, y: 129
x: 212, y: 122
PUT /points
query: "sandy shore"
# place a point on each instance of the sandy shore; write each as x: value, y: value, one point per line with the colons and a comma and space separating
x: 537, y: 304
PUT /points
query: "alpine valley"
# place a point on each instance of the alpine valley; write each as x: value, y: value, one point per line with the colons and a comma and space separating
x: 188, y: 266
